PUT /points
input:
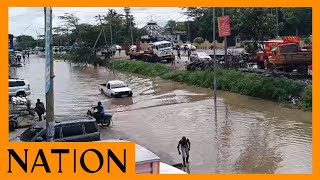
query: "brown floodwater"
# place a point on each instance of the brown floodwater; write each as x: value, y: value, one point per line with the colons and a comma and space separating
x: 243, y: 135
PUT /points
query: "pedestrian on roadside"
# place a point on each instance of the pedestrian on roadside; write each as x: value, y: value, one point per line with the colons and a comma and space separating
x: 189, y: 53
x: 184, y: 145
x: 178, y: 53
x: 24, y: 57
x: 119, y: 51
x: 28, y: 54
x: 185, y: 49
x: 40, y: 109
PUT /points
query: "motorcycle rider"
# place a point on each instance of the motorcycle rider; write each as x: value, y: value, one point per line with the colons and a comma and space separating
x: 100, y: 113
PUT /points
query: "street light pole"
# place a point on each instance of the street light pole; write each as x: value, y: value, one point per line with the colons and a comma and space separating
x: 214, y: 57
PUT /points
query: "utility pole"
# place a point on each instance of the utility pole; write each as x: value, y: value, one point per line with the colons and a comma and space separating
x: 225, y: 44
x: 105, y: 38
x: 131, y: 30
x: 214, y: 57
x: 110, y: 22
x: 277, y: 22
x: 49, y: 75
x: 189, y: 30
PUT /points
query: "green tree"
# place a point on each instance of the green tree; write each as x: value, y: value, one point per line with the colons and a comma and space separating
x: 255, y: 24
x: 25, y: 42
x: 297, y: 19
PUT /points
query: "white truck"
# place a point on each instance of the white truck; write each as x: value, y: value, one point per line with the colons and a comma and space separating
x: 158, y: 51
x: 116, y: 88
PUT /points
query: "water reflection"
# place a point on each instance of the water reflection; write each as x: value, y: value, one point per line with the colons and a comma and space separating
x: 241, y: 135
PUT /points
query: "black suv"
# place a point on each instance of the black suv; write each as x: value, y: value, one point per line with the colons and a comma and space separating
x: 67, y: 129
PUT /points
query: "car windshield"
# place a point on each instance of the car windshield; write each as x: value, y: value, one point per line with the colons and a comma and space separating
x: 120, y: 85
x: 30, y: 133
x: 164, y: 45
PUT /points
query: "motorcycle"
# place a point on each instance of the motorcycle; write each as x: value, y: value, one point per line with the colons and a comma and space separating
x: 104, y: 121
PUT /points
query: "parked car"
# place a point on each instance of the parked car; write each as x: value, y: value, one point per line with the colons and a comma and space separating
x: 133, y: 48
x: 116, y: 88
x: 199, y: 56
x: 19, y: 87
x: 67, y: 129
x: 118, y: 47
x: 189, y: 46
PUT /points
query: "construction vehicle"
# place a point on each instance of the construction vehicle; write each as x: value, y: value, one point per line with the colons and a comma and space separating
x: 157, y: 51
x: 287, y: 57
x: 265, y: 49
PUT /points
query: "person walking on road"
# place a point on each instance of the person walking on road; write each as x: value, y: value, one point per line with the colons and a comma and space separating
x: 40, y: 109
x: 24, y: 57
x: 189, y: 53
x: 184, y: 145
x: 178, y: 53
x: 28, y: 54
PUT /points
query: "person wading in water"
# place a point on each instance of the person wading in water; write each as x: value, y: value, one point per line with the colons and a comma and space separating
x: 184, y: 144
x: 40, y: 109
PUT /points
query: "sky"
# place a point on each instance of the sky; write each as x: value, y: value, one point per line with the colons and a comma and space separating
x: 30, y: 21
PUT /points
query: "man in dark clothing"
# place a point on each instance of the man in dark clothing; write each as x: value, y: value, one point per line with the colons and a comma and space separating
x: 100, y: 111
x: 28, y: 54
x: 119, y: 51
x: 185, y: 49
x: 178, y: 53
x: 189, y: 53
x: 184, y: 145
x: 40, y: 109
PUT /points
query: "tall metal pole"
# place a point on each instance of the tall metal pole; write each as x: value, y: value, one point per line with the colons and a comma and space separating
x: 49, y: 75
x: 131, y: 31
x: 189, y: 30
x: 214, y: 57
x: 277, y: 22
x: 110, y: 22
x: 225, y: 44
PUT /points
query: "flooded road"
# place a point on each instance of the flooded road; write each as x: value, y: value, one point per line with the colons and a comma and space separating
x: 246, y: 135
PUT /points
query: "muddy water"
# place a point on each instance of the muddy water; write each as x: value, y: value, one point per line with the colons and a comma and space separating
x: 244, y: 135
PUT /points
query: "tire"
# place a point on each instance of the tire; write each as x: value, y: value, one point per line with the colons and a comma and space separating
x: 130, y: 95
x: 112, y: 96
x: 21, y: 93
x: 288, y: 69
x: 302, y: 69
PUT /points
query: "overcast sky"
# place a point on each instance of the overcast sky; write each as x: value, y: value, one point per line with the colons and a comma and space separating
x: 29, y: 20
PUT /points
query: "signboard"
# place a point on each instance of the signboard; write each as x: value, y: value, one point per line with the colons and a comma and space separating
x: 48, y: 30
x: 224, y: 26
x: 291, y: 39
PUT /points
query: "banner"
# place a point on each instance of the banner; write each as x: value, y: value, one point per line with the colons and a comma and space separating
x: 224, y: 26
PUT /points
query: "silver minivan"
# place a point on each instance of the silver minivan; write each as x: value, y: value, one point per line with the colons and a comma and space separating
x: 67, y: 129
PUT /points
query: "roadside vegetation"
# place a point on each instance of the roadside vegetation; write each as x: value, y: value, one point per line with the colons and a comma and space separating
x: 281, y: 90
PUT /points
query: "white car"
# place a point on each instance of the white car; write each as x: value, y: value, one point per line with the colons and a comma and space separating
x: 118, y: 47
x: 19, y: 87
x: 116, y: 88
x: 199, y: 56
x: 133, y: 48
x: 189, y: 46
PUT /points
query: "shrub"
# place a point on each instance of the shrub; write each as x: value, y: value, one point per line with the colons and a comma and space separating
x: 275, y: 89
